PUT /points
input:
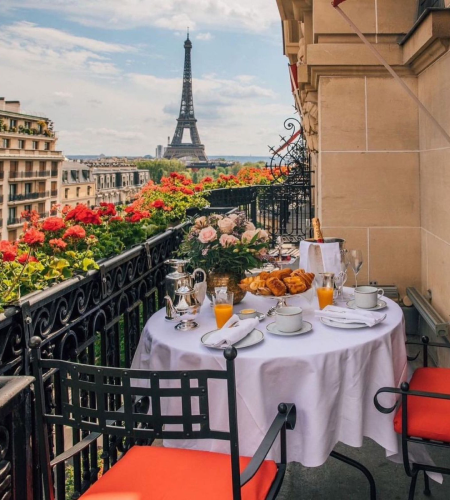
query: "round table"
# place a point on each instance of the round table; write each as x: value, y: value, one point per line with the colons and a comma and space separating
x: 330, y: 374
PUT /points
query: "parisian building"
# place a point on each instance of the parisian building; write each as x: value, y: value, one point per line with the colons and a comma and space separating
x: 78, y: 185
x: 30, y: 167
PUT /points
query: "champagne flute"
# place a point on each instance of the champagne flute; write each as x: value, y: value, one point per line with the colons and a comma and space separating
x: 356, y: 262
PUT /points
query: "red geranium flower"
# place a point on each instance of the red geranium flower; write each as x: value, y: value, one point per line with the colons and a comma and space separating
x: 8, y: 251
x: 158, y: 204
x: 58, y: 243
x: 24, y: 258
x: 187, y: 191
x: 76, y: 232
x: 116, y: 218
x: 198, y: 188
x: 207, y: 179
x: 53, y: 224
x: 33, y: 237
x: 107, y: 209
x: 174, y: 175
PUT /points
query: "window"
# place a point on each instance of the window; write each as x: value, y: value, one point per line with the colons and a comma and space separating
x: 14, y: 167
x: 41, y: 208
x: 28, y: 188
x: 12, y: 236
x: 107, y: 181
x: 74, y: 175
x: 47, y: 146
x: 53, y: 186
x: 54, y: 165
x: 35, y: 144
x: 27, y: 208
x: 12, y: 123
x: 66, y: 193
x: 28, y: 166
x: 21, y: 144
x: 27, y: 125
x: 113, y: 181
x: 42, y: 166
x: 12, y: 189
x: 5, y: 143
x: 89, y: 191
x: 12, y: 213
x: 42, y: 187
x: 65, y: 175
x: 78, y: 192
x: 1, y: 166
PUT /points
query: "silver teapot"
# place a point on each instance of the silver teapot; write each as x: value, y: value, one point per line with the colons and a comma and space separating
x: 185, y: 307
x: 179, y: 277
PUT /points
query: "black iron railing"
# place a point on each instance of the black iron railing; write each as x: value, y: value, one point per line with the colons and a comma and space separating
x: 427, y: 4
x: 13, y: 220
x: 29, y: 173
x: 85, y: 319
x: 28, y: 196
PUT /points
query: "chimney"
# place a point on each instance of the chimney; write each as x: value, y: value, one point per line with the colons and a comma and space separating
x: 2, y: 104
x: 13, y: 106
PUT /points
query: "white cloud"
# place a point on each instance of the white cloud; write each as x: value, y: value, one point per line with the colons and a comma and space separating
x: 204, y: 37
x: 97, y: 108
x: 249, y: 15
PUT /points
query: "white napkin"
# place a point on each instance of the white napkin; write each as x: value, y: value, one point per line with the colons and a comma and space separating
x: 320, y: 257
x: 343, y: 315
x: 229, y: 335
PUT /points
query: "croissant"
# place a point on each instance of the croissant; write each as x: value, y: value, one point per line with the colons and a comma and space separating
x: 295, y: 285
x: 307, y: 278
x: 276, y: 286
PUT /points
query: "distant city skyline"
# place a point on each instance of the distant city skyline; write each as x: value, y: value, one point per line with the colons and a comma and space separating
x: 110, y: 74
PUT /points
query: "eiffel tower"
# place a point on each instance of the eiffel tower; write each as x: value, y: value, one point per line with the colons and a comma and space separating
x: 186, y: 119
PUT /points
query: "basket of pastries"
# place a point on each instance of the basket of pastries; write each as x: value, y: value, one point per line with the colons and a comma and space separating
x: 278, y: 283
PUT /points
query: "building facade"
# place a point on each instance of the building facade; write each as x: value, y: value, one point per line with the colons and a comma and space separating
x: 159, y: 151
x: 78, y: 185
x: 383, y: 167
x: 117, y: 182
x: 30, y: 167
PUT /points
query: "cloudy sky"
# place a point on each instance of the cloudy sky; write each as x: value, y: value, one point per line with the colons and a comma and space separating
x: 108, y: 72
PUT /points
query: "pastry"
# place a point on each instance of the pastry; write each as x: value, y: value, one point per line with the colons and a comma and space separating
x: 295, y: 285
x: 276, y: 286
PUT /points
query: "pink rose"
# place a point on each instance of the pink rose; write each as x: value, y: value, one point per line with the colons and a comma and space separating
x: 263, y: 235
x: 226, y: 225
x: 248, y: 236
x: 228, y: 240
x: 233, y: 217
x: 207, y: 234
x: 200, y: 222
x: 249, y: 226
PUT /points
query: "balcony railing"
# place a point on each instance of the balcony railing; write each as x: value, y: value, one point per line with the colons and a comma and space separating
x: 13, y: 220
x: 43, y: 215
x: 54, y: 192
x: 28, y: 174
x: 76, y: 318
x: 54, y: 173
x: 29, y: 196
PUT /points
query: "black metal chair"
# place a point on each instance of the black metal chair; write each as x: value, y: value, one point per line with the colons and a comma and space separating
x: 423, y: 413
x: 83, y: 402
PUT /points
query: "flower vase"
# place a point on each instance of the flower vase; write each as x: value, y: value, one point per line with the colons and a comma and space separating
x: 229, y: 280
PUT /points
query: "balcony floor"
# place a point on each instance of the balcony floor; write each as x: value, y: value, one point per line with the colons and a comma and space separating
x: 338, y: 481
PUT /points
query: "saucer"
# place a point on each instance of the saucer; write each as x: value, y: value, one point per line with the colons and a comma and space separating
x: 381, y: 304
x: 254, y: 337
x: 272, y: 328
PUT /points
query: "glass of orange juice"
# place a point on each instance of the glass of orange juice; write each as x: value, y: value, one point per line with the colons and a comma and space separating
x: 325, y: 289
x: 223, y: 307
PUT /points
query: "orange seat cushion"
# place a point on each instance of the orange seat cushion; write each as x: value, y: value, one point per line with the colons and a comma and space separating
x: 428, y: 418
x: 156, y: 473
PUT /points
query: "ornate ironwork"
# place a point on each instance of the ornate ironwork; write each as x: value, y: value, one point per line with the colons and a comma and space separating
x: 186, y: 118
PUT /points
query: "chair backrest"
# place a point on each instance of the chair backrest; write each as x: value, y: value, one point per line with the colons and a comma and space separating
x: 132, y: 404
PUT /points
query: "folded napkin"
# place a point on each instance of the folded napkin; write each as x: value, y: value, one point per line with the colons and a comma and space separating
x: 229, y: 335
x: 344, y: 315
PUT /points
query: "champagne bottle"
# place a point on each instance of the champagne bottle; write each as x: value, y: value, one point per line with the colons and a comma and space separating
x: 318, y: 236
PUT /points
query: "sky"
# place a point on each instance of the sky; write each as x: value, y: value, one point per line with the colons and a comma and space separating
x: 109, y: 72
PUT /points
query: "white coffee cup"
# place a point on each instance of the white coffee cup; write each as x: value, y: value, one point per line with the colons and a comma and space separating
x: 289, y: 319
x: 366, y: 297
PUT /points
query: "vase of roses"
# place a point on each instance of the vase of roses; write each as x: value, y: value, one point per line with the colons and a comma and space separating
x: 226, y: 247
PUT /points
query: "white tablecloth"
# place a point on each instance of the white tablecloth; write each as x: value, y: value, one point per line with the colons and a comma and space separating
x: 330, y: 374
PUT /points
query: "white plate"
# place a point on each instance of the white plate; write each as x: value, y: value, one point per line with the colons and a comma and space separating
x: 338, y: 324
x: 254, y: 337
x: 381, y: 304
x: 272, y: 328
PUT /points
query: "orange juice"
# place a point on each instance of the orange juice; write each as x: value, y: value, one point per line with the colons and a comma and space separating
x: 325, y: 296
x: 223, y: 313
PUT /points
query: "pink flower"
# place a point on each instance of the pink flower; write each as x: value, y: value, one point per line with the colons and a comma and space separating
x: 233, y: 217
x: 249, y: 226
x: 200, y: 222
x: 226, y: 225
x: 207, y: 234
x: 263, y: 235
x: 248, y: 236
x: 228, y: 240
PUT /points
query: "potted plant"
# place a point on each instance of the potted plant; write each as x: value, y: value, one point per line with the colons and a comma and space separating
x: 225, y: 247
